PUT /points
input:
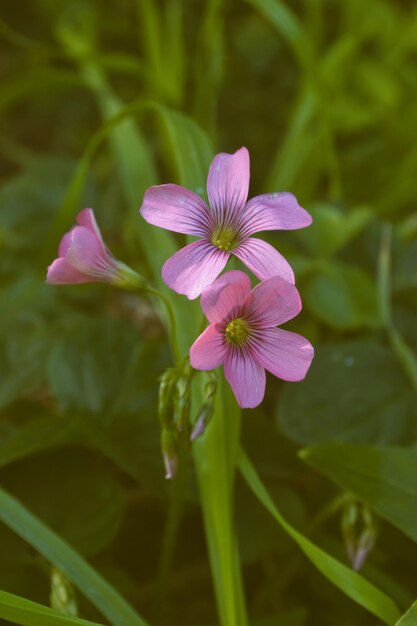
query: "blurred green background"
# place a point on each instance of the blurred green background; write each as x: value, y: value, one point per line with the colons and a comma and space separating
x: 323, y: 93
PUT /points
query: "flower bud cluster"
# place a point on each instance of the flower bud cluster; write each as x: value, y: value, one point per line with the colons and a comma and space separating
x: 174, y: 414
x: 359, y: 531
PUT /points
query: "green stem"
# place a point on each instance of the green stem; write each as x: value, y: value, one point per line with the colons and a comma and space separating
x: 384, y: 276
x: 170, y: 536
x: 173, y: 334
x: 404, y: 354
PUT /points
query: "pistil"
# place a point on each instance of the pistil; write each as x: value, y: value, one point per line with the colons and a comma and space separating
x: 237, y: 332
x: 225, y: 239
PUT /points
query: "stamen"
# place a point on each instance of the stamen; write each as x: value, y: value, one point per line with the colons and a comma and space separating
x: 225, y: 239
x: 237, y: 332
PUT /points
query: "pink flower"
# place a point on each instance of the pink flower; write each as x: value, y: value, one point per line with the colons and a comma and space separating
x: 224, y: 227
x: 83, y: 256
x: 243, y: 337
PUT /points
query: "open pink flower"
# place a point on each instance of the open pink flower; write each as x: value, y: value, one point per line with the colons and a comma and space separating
x: 243, y: 337
x: 224, y: 227
x: 83, y: 256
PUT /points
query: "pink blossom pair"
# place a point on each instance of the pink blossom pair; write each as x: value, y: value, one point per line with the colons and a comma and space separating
x: 242, y: 334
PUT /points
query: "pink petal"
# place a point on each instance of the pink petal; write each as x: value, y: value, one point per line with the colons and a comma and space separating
x: 228, y: 182
x: 246, y: 377
x: 284, y: 354
x: 194, y: 267
x: 87, y: 219
x: 65, y: 243
x: 178, y: 209
x: 273, y: 301
x: 263, y: 260
x: 208, y: 351
x: 60, y: 272
x: 226, y: 297
x: 273, y: 211
x: 87, y: 254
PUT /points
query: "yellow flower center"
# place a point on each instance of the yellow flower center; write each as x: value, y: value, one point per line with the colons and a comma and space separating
x: 237, y: 332
x: 225, y: 239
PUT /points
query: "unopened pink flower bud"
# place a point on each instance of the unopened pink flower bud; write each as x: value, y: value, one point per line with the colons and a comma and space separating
x: 83, y: 257
x: 203, y: 419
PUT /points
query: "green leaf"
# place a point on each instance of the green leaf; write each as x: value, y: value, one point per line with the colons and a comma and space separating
x: 88, y: 364
x: 288, y: 26
x: 83, y: 502
x: 31, y: 197
x: 292, y: 617
x: 342, y: 297
x: 37, y: 79
x: 132, y: 441
x: 332, y: 229
x: 355, y: 392
x: 191, y: 149
x: 35, y: 435
x: 384, y: 478
x: 409, y: 618
x: 27, y: 613
x: 30, y: 347
x: 298, y: 142
x: 59, y: 553
x: 257, y: 531
x: 351, y: 583
x: 163, y: 38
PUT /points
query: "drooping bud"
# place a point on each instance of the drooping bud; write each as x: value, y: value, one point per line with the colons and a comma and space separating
x: 62, y: 596
x: 211, y: 386
x: 83, y: 257
x: 359, y: 531
x: 183, y: 387
x: 169, y: 453
x: 366, y: 543
x: 165, y: 398
x: 182, y: 403
x: 203, y: 420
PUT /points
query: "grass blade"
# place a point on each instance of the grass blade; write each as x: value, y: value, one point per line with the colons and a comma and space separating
x: 351, y: 583
x: 409, y: 618
x: 27, y: 613
x: 107, y: 600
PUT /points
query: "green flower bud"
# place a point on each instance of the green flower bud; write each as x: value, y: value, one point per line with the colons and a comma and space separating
x: 62, y: 593
x: 169, y: 453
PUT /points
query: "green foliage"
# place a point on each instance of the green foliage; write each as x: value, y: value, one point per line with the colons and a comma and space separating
x: 83, y: 503
x: 331, y: 229
x: 355, y: 392
x: 351, y: 583
x: 342, y: 297
x: 381, y: 477
x: 63, y: 556
x: 98, y: 104
x: 89, y: 365
x: 21, y: 611
x: 410, y: 618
